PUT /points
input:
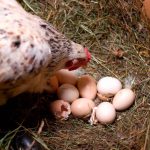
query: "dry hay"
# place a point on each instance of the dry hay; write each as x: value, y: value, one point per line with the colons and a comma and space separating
x: 105, y: 27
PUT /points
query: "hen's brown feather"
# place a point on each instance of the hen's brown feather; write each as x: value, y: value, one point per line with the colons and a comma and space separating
x: 30, y: 51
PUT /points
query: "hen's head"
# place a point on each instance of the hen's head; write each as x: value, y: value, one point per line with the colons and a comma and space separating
x: 69, y: 55
x: 78, y: 57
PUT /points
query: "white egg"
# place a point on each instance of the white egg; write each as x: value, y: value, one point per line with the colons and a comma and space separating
x: 104, y: 113
x: 67, y: 92
x: 123, y: 99
x: 108, y: 86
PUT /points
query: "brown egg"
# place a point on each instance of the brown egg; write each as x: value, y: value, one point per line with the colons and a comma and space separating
x: 53, y: 81
x: 65, y: 76
x: 87, y: 87
x: 82, y: 107
x: 68, y: 92
x: 60, y: 109
x: 146, y: 8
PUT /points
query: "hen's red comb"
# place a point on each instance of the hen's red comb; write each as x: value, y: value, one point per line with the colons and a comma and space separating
x: 87, y: 54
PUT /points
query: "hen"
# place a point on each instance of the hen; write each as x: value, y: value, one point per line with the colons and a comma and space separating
x: 31, y: 50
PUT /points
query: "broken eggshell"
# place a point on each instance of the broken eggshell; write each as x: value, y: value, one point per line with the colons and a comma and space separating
x: 60, y: 109
x: 103, y: 97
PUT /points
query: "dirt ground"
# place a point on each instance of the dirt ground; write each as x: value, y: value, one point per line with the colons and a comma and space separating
x: 106, y: 27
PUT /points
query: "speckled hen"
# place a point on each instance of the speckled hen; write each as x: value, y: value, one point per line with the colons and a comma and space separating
x: 31, y: 50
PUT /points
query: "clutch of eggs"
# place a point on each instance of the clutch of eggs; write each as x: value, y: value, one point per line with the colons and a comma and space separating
x: 78, y: 92
x: 76, y: 95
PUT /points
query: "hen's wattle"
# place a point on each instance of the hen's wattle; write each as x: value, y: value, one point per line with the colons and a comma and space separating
x: 31, y: 50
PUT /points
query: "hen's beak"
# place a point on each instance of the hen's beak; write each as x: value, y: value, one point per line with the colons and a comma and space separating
x: 76, y: 63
